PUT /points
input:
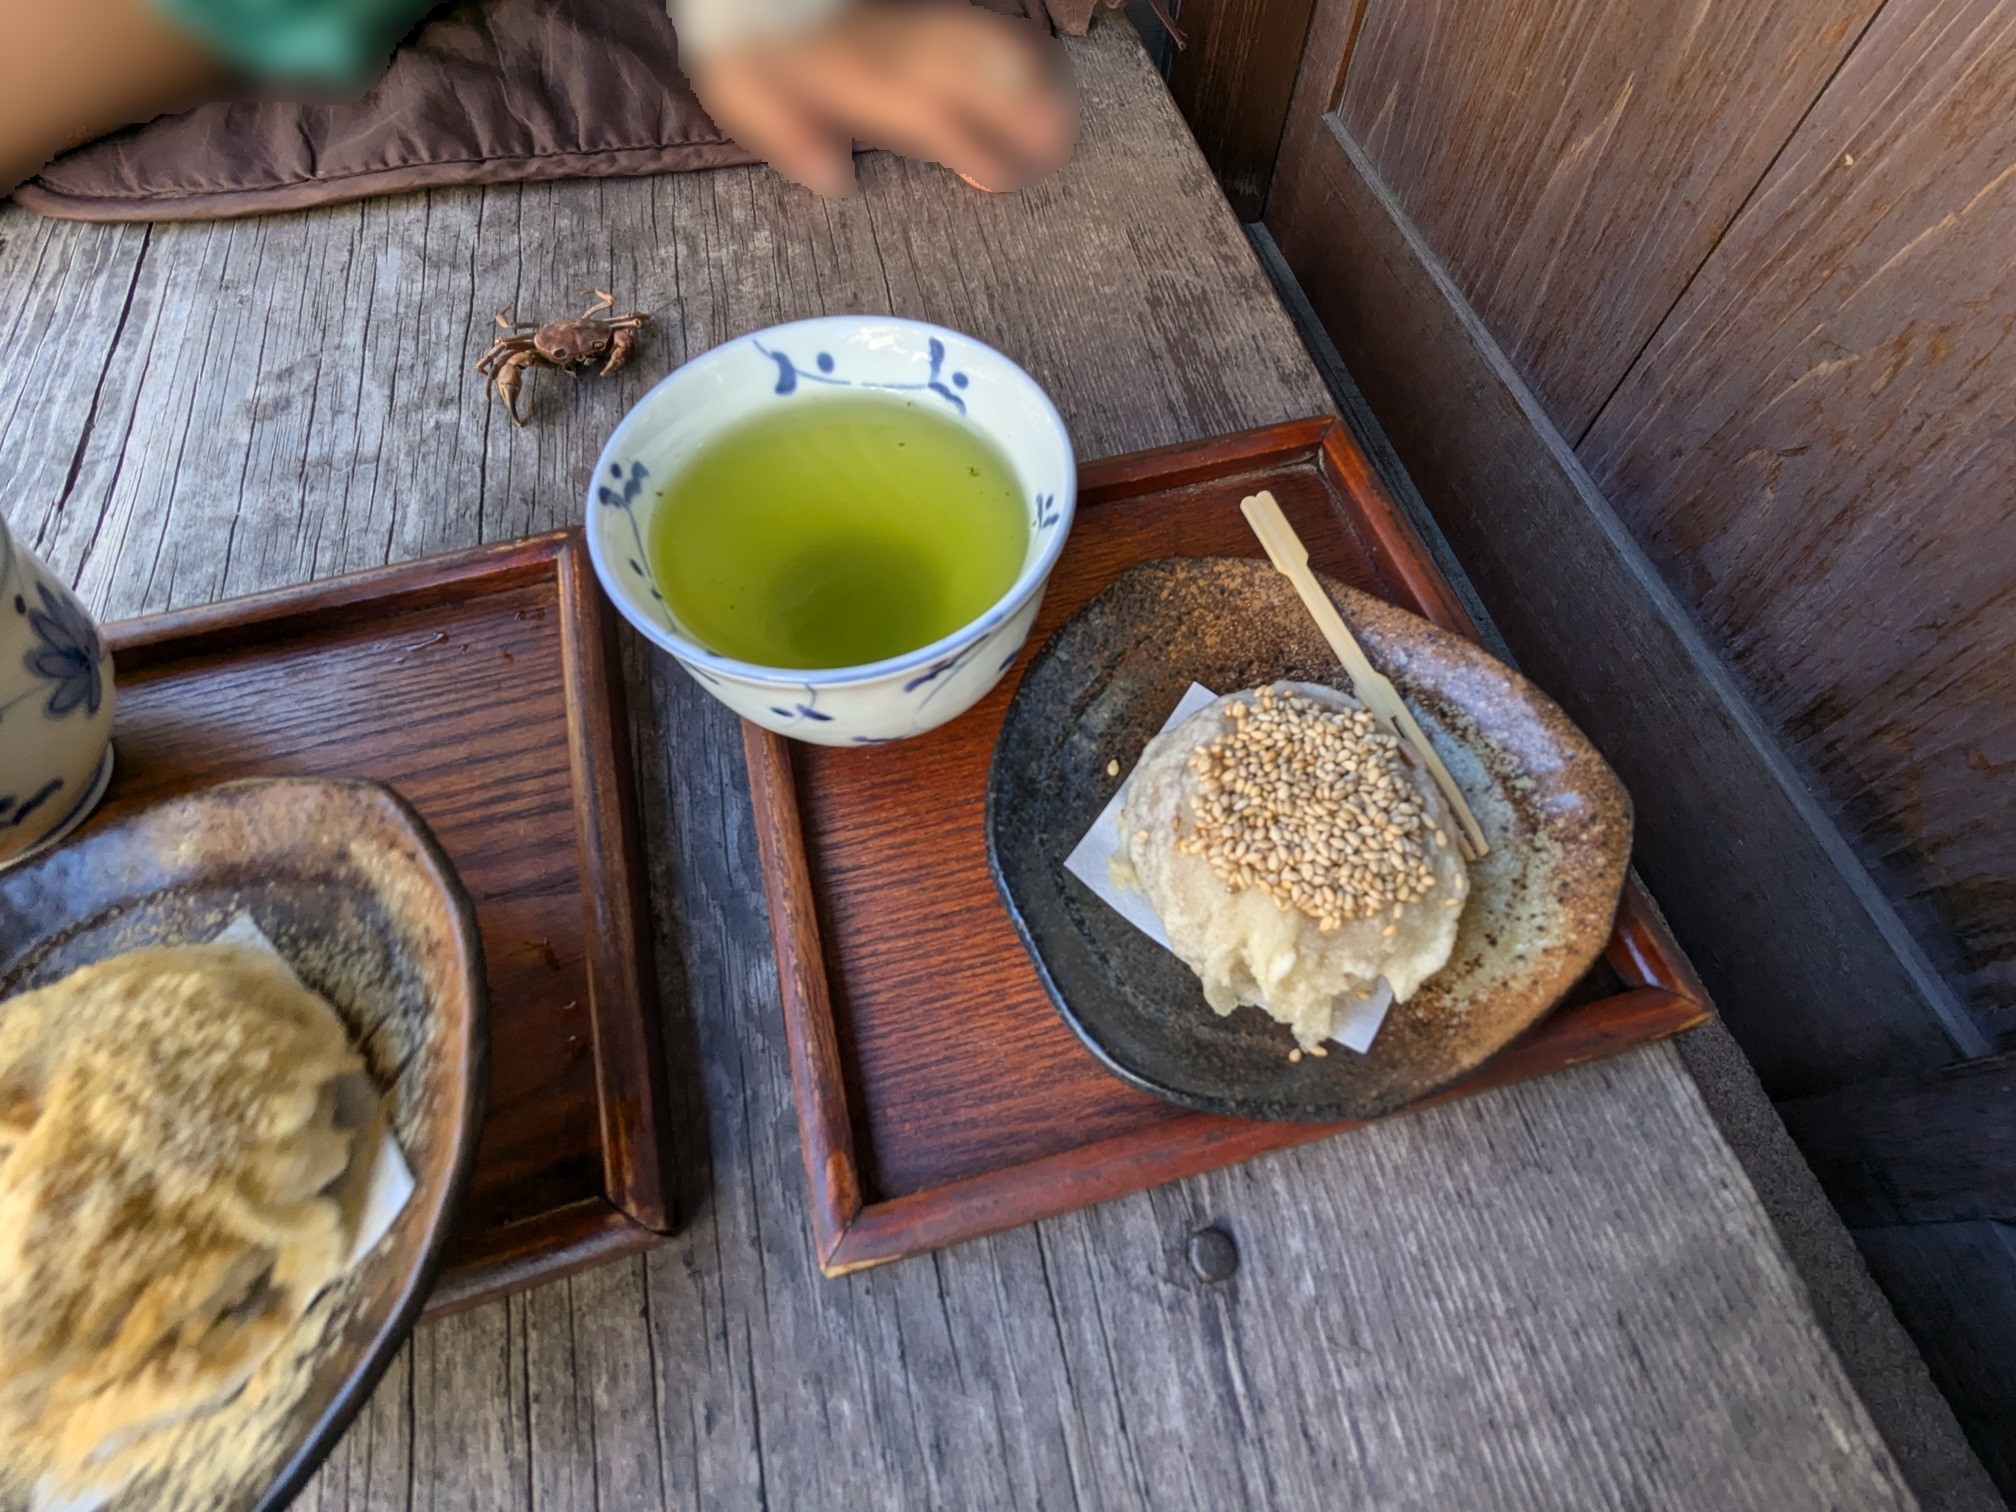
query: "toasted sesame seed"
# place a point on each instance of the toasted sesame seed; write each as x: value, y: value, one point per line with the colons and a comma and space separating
x: 1294, y: 1057
x: 1113, y: 768
x: 1311, y: 805
x: 1318, y: 1051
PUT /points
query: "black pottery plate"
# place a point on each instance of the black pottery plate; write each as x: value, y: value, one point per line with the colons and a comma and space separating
x: 1541, y: 906
x: 351, y: 888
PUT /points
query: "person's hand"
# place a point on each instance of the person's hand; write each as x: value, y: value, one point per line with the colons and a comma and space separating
x: 985, y: 95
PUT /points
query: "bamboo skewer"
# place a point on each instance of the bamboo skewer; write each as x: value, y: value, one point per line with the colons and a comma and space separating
x: 1291, y: 559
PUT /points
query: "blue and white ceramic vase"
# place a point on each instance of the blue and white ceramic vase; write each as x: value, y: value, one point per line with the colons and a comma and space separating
x: 55, y: 706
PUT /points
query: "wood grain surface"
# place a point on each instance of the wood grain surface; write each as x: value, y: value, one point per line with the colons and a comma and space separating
x: 469, y: 683
x: 1558, y: 1294
x: 940, y: 1095
x: 1817, y: 451
x: 1573, y: 161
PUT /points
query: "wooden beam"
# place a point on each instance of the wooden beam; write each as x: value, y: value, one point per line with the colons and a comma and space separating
x: 1926, y: 1149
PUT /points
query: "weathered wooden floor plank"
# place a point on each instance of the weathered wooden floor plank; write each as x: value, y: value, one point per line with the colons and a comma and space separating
x: 1560, y: 1294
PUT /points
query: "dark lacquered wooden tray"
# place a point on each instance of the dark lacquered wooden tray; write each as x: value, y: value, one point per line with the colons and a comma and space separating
x: 939, y: 1095
x: 484, y: 687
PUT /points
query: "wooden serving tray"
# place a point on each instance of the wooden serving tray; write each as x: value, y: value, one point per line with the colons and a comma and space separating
x: 484, y: 686
x: 939, y: 1095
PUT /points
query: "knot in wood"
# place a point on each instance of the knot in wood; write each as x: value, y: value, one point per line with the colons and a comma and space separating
x: 1213, y: 1255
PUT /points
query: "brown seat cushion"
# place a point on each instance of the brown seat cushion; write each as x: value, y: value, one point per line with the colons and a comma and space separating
x: 485, y: 92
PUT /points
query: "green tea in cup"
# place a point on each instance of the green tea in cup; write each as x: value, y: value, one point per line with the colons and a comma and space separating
x: 835, y: 532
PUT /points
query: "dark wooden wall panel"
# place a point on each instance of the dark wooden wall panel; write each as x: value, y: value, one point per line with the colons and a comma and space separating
x: 1573, y: 161
x: 1819, y: 450
x: 1817, y: 978
x: 1232, y: 81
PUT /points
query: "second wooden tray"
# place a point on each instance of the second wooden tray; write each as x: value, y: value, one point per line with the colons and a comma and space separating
x: 484, y: 687
x: 939, y: 1095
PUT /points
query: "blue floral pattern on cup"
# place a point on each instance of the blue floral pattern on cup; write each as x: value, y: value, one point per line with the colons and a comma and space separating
x: 845, y: 706
x: 625, y: 484
x: 68, y: 655
x: 790, y: 374
x: 15, y: 812
x: 620, y: 493
x: 55, y: 706
x: 802, y: 709
x: 941, y: 674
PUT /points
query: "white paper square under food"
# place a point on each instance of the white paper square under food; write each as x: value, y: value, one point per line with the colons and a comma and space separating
x: 1090, y: 862
x: 391, y: 1183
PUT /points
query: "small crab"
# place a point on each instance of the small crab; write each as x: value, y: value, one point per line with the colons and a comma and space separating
x: 570, y: 345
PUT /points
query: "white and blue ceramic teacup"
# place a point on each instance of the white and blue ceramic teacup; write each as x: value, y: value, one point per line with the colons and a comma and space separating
x: 794, y: 365
x: 55, y: 707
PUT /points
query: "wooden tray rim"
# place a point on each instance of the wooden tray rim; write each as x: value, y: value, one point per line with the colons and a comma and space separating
x: 851, y: 1233
x: 631, y: 1093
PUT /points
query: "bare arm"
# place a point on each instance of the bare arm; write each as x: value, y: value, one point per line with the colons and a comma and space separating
x: 796, y: 81
x: 72, y: 70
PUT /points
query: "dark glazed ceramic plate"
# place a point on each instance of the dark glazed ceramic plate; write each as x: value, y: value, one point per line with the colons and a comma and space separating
x: 1542, y: 902
x: 350, y: 887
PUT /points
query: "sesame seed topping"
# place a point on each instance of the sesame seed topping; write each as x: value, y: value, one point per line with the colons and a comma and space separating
x: 1113, y: 768
x: 1311, y: 805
